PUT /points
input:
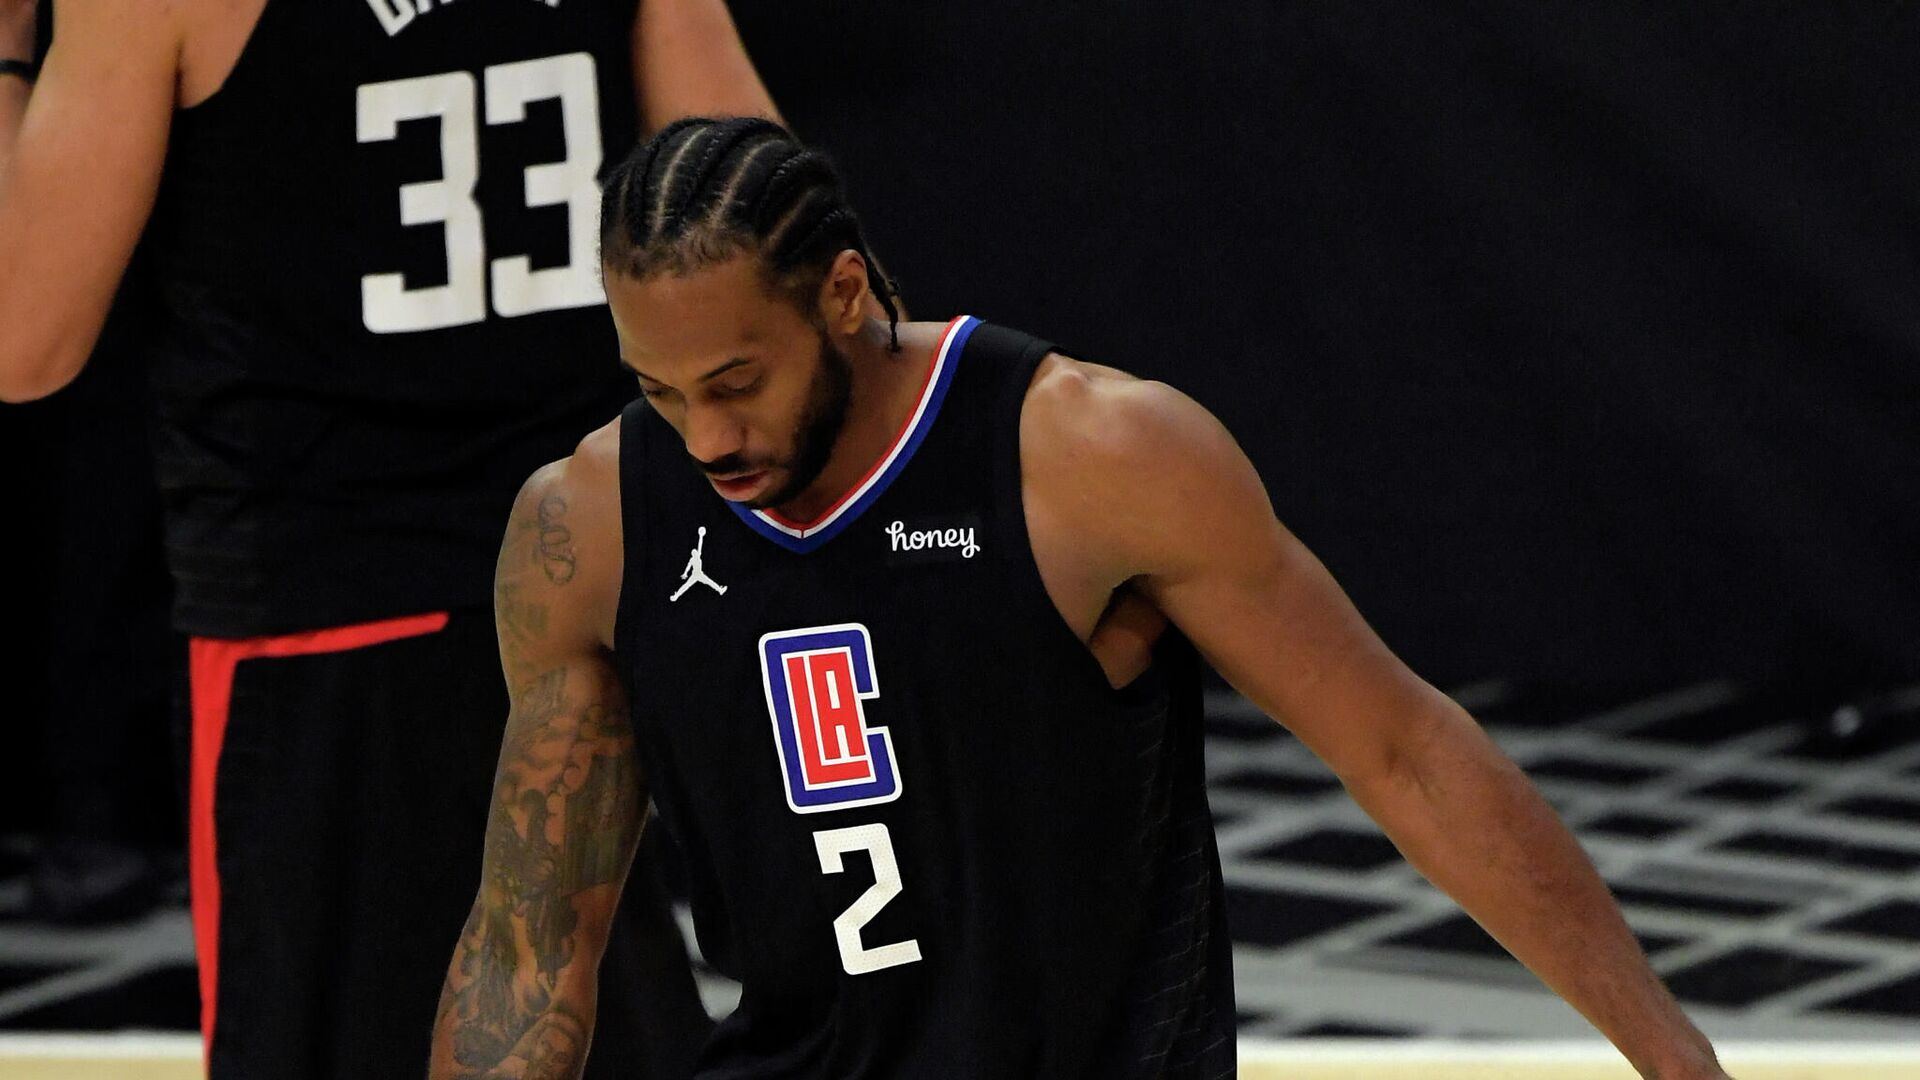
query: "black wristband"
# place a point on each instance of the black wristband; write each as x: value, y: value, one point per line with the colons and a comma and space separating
x: 23, y: 68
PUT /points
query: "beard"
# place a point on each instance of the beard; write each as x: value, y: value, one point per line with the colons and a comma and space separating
x: 821, y: 420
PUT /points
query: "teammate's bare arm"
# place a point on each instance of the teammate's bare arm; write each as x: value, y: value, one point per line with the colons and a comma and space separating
x: 568, y: 797
x: 688, y: 61
x: 17, y: 40
x: 1153, y: 491
x: 79, y: 169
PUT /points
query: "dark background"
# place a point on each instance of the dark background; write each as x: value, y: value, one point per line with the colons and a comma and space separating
x: 1578, y: 339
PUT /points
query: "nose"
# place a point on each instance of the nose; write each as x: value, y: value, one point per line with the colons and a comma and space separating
x: 711, y: 434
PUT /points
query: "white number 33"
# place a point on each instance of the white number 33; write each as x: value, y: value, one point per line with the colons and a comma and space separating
x: 387, y: 305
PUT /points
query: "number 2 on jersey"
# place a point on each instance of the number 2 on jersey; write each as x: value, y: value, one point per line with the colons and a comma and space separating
x: 833, y: 844
x: 387, y: 305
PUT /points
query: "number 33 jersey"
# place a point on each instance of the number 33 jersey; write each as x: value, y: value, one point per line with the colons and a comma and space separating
x: 921, y: 829
x: 380, y: 307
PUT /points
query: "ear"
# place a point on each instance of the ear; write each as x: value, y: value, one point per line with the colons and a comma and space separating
x: 843, y: 307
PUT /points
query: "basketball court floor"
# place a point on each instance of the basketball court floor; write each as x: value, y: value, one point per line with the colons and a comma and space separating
x: 1774, y: 880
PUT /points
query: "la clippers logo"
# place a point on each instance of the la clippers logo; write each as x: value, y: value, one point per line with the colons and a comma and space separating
x: 816, y: 680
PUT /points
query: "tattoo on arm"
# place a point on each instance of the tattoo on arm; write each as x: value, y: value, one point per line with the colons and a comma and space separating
x: 556, y: 540
x: 536, y: 537
x: 564, y: 822
x: 519, y: 616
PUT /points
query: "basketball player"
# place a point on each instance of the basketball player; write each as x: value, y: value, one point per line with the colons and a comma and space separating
x: 374, y: 225
x: 914, y: 708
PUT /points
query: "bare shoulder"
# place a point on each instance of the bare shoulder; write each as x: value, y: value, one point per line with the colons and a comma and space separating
x: 1100, y: 424
x: 596, y: 460
x: 588, y: 479
x: 1122, y: 468
x: 563, y: 540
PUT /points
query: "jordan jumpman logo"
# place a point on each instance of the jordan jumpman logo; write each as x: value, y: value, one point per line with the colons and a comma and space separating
x: 694, y: 574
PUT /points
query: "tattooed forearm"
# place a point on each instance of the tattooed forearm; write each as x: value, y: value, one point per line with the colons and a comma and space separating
x: 597, y: 810
x: 556, y: 1040
x: 486, y: 1002
x: 566, y: 815
x: 556, y: 541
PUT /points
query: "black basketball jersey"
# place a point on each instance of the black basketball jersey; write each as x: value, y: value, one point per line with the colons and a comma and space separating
x: 922, y: 830
x: 377, y: 248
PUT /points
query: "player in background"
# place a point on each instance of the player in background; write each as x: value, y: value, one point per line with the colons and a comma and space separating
x: 934, y: 753
x: 373, y: 225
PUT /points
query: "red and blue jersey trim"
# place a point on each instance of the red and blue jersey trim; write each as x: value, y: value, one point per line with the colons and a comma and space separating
x: 805, y: 537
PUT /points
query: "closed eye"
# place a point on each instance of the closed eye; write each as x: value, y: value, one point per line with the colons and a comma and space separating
x: 740, y: 389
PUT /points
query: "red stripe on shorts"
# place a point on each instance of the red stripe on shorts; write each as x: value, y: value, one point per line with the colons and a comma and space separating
x: 210, y: 666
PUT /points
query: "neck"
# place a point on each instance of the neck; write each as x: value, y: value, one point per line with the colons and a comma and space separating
x: 886, y: 388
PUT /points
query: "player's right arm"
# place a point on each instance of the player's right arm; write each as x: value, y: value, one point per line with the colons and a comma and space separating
x: 568, y: 797
x: 80, y: 161
x: 688, y: 61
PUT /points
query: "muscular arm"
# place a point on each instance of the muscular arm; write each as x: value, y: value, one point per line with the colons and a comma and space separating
x: 1171, y: 505
x: 79, y: 168
x: 568, y: 797
x: 688, y: 61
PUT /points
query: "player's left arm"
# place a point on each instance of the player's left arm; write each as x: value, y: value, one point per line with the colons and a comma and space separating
x: 81, y: 152
x: 688, y: 61
x: 1173, y: 506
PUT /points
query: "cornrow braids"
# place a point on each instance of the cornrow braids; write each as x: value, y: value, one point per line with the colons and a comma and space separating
x: 643, y: 193
x: 704, y: 190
